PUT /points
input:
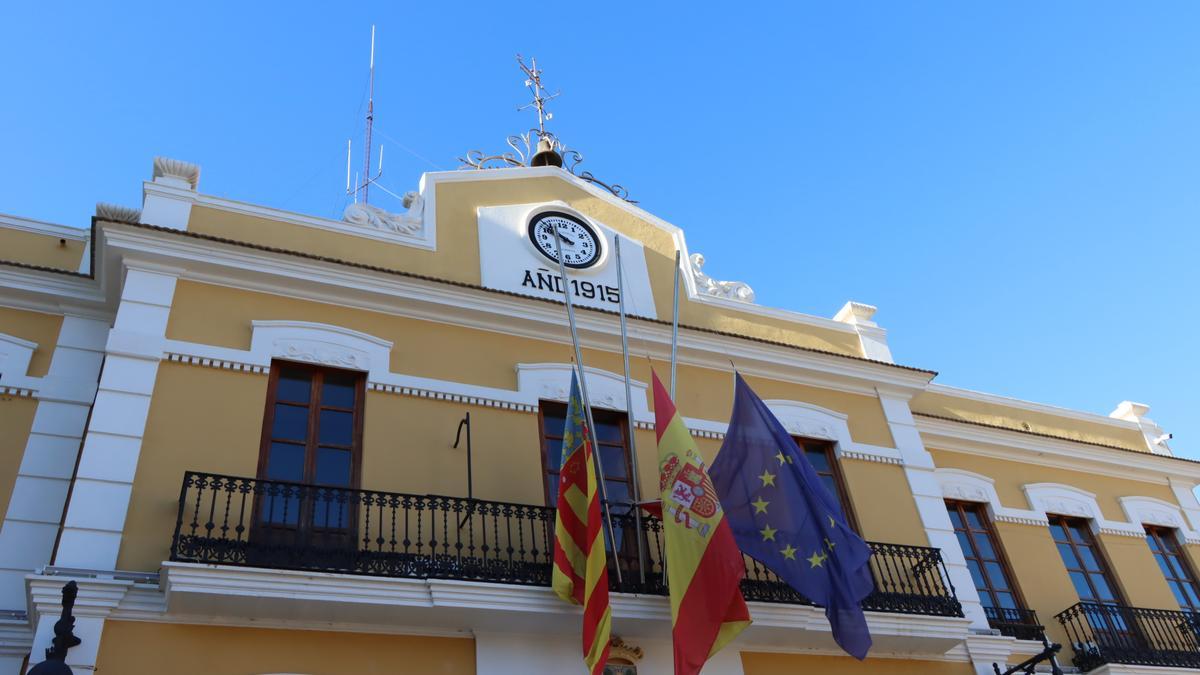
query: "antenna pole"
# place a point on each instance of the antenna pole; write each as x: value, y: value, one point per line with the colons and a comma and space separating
x: 370, y: 122
x: 347, y: 166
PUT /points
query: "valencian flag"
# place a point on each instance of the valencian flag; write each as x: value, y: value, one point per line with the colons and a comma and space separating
x: 784, y: 517
x: 704, y: 566
x: 580, y: 566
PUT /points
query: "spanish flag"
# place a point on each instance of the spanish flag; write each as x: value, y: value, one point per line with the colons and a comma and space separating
x: 704, y: 565
x: 580, y: 566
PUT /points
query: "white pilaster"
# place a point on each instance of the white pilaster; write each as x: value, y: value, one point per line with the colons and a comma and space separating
x: 97, y: 599
x: 871, y: 337
x: 931, y: 505
x: 1185, y: 494
x: 984, y: 650
x: 95, y: 518
x: 15, y: 639
x: 39, y: 493
x: 167, y: 200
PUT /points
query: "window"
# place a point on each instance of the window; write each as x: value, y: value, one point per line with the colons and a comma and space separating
x: 1084, y: 560
x: 312, y: 435
x: 1165, y: 547
x: 989, y: 568
x: 612, y: 439
x: 820, y: 454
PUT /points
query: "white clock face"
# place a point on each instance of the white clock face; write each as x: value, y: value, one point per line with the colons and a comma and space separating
x: 580, y: 243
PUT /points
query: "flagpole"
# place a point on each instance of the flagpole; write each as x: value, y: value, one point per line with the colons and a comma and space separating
x: 587, y: 402
x: 675, y: 325
x: 636, y: 482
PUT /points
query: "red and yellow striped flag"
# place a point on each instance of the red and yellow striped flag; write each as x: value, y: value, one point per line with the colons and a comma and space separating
x: 580, y: 565
x: 704, y: 565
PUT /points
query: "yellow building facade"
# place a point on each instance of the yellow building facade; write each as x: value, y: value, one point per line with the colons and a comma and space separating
x: 267, y: 442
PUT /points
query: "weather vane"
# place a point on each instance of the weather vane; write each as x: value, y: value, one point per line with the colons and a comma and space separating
x: 533, y: 81
x: 538, y: 147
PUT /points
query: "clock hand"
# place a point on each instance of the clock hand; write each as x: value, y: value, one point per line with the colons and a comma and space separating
x: 568, y: 242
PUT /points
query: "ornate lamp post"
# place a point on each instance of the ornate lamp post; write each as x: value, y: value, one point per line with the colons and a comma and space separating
x: 64, y: 637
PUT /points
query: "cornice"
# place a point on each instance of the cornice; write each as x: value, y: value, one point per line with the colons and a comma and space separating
x: 474, y: 602
x: 11, y: 222
x: 1012, y: 445
x: 51, y: 291
x: 1031, y: 406
x: 425, y: 240
x: 296, y: 275
x: 16, y: 637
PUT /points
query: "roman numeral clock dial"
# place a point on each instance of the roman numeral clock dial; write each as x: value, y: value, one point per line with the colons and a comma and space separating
x: 580, y: 243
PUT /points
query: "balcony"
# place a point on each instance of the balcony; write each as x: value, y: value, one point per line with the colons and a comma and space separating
x: 225, y: 520
x: 1102, y: 634
x: 1022, y: 624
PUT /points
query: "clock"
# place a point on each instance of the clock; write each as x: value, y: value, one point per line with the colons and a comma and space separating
x: 581, y: 247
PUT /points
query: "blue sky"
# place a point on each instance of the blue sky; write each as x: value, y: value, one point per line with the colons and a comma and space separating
x: 1015, y: 185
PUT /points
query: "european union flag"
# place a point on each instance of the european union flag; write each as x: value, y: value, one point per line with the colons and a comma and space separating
x: 784, y: 517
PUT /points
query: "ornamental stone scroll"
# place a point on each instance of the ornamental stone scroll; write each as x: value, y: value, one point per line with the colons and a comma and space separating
x: 552, y: 381
x: 320, y: 344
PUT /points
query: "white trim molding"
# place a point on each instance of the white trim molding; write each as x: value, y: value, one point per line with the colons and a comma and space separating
x: 552, y: 381
x: 1066, y: 500
x: 871, y: 338
x: 322, y: 344
x: 919, y: 469
x: 535, y: 381
x: 169, y: 197
x: 424, y: 236
x: 811, y: 421
x: 1156, y: 440
x: 1014, y: 446
x: 15, y: 354
x: 190, y: 592
x: 96, y: 600
x: 968, y: 486
x: 1151, y: 511
x: 11, y: 222
x: 43, y: 477
x: 95, y: 519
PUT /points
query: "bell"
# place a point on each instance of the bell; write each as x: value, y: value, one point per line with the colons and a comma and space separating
x: 546, y: 155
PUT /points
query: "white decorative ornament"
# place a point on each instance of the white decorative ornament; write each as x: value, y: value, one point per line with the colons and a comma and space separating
x: 551, y: 392
x: 321, y: 344
x: 730, y: 290
x: 1151, y: 511
x: 409, y: 222
x: 186, y: 172
x: 322, y: 353
x: 551, y: 381
x: 118, y: 213
x: 809, y: 429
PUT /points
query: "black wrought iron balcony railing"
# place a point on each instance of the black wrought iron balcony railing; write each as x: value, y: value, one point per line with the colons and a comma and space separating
x: 1022, y: 624
x: 1102, y: 633
x: 229, y: 520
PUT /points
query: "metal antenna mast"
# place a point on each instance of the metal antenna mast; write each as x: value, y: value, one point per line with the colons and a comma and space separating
x: 365, y: 185
x: 370, y: 121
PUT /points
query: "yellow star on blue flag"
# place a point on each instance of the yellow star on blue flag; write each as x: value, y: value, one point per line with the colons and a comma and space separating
x: 757, y: 456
